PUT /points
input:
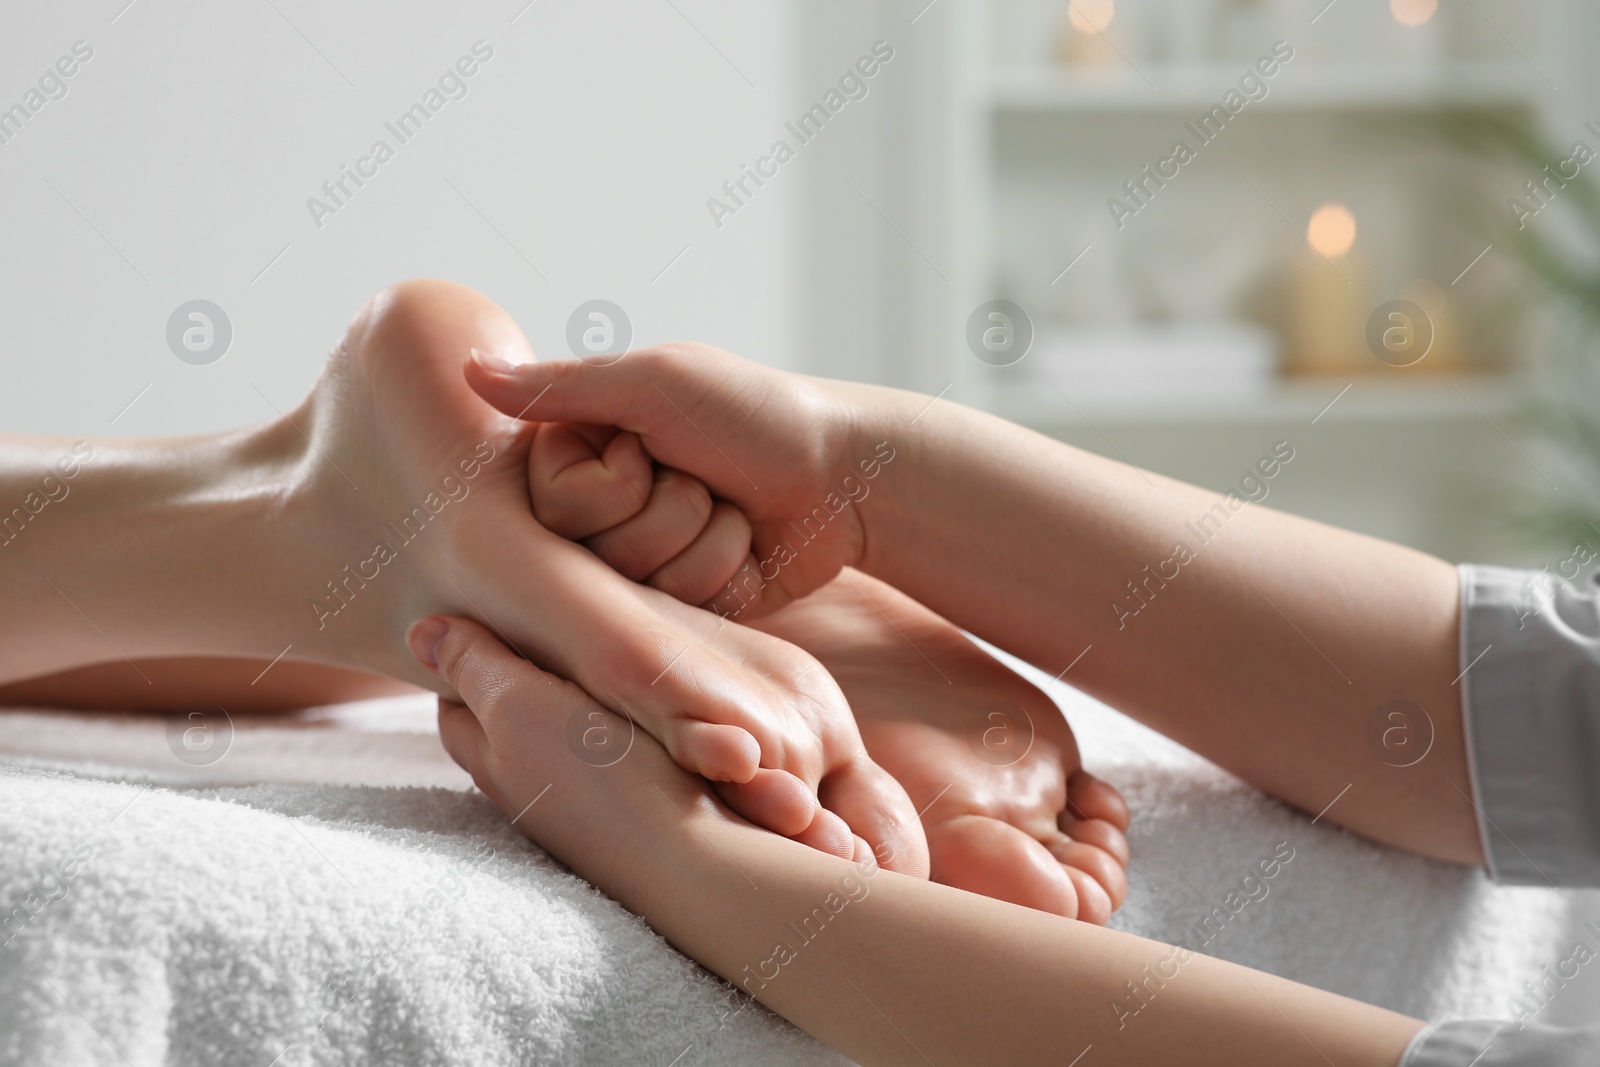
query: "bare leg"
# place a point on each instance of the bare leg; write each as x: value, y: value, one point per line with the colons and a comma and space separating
x: 165, y: 684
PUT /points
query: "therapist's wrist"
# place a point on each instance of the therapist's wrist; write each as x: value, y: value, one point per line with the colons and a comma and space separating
x: 887, y: 449
x: 671, y: 854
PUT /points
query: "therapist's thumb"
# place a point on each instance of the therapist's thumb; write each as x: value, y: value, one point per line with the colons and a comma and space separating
x: 514, y: 702
x: 649, y: 391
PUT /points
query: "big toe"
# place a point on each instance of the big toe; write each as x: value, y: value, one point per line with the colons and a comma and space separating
x: 717, y: 751
x: 994, y: 858
x: 878, y: 810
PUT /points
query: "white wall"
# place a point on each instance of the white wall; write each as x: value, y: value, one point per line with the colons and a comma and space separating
x: 194, y: 136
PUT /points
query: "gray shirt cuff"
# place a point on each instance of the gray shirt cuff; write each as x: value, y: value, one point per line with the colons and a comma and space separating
x: 1490, y: 1044
x: 1530, y: 650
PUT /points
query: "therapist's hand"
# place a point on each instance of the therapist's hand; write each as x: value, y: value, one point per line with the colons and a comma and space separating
x: 986, y: 758
x: 615, y: 824
x: 798, y: 456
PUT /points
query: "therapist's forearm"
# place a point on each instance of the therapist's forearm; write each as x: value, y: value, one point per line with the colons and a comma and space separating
x: 150, y: 548
x: 910, y: 972
x: 1269, y: 651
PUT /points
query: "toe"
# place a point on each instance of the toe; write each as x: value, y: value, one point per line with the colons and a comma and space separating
x: 773, y: 800
x: 1094, y: 906
x: 1090, y: 798
x: 876, y: 807
x: 717, y: 751
x: 987, y: 856
x: 1094, y: 862
x: 1098, y: 833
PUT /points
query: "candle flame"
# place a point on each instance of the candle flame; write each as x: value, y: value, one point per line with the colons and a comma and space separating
x: 1332, y: 230
x: 1091, y: 16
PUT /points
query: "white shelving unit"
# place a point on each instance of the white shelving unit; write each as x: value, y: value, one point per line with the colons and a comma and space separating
x: 1003, y: 120
x: 987, y: 92
x: 1357, y: 402
x: 1375, y: 87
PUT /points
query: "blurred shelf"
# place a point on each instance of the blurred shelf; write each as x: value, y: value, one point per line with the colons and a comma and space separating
x: 1390, y: 87
x: 1325, y: 401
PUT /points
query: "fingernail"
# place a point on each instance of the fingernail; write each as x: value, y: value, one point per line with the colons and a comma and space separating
x: 424, y: 639
x: 495, y: 362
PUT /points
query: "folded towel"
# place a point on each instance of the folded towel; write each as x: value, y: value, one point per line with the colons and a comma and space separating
x: 333, y: 891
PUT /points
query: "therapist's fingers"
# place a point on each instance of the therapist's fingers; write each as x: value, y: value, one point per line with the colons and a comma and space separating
x: 671, y: 520
x: 582, y: 483
x: 681, y: 400
x: 629, y: 394
x: 704, y: 569
x: 775, y: 799
x: 464, y: 741
x: 511, y: 699
x: 828, y: 833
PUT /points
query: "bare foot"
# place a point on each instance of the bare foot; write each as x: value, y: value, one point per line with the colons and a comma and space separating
x: 417, y: 497
x: 986, y: 758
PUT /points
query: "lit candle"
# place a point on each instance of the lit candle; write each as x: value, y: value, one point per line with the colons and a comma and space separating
x: 1083, y: 41
x: 1329, y: 298
x: 1412, y: 12
x: 1417, y: 43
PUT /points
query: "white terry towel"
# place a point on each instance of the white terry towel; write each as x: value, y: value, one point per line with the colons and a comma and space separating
x: 332, y: 893
x: 330, y: 924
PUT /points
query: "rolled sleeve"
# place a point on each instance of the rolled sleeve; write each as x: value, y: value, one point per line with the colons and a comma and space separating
x: 1530, y: 652
x: 1488, y: 1044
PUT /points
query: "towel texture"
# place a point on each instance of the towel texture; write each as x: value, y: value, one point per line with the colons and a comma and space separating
x: 333, y: 891
x: 290, y: 925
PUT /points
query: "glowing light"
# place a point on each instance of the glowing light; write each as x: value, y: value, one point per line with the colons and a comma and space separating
x: 1091, y: 16
x: 1412, y: 12
x: 1332, y: 230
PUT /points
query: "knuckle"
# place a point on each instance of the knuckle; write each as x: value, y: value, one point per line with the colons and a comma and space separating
x: 686, y: 494
x: 733, y: 524
x: 682, y: 358
x: 634, y: 492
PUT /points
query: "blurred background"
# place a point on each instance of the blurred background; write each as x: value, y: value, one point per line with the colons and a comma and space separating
x: 1376, y: 243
